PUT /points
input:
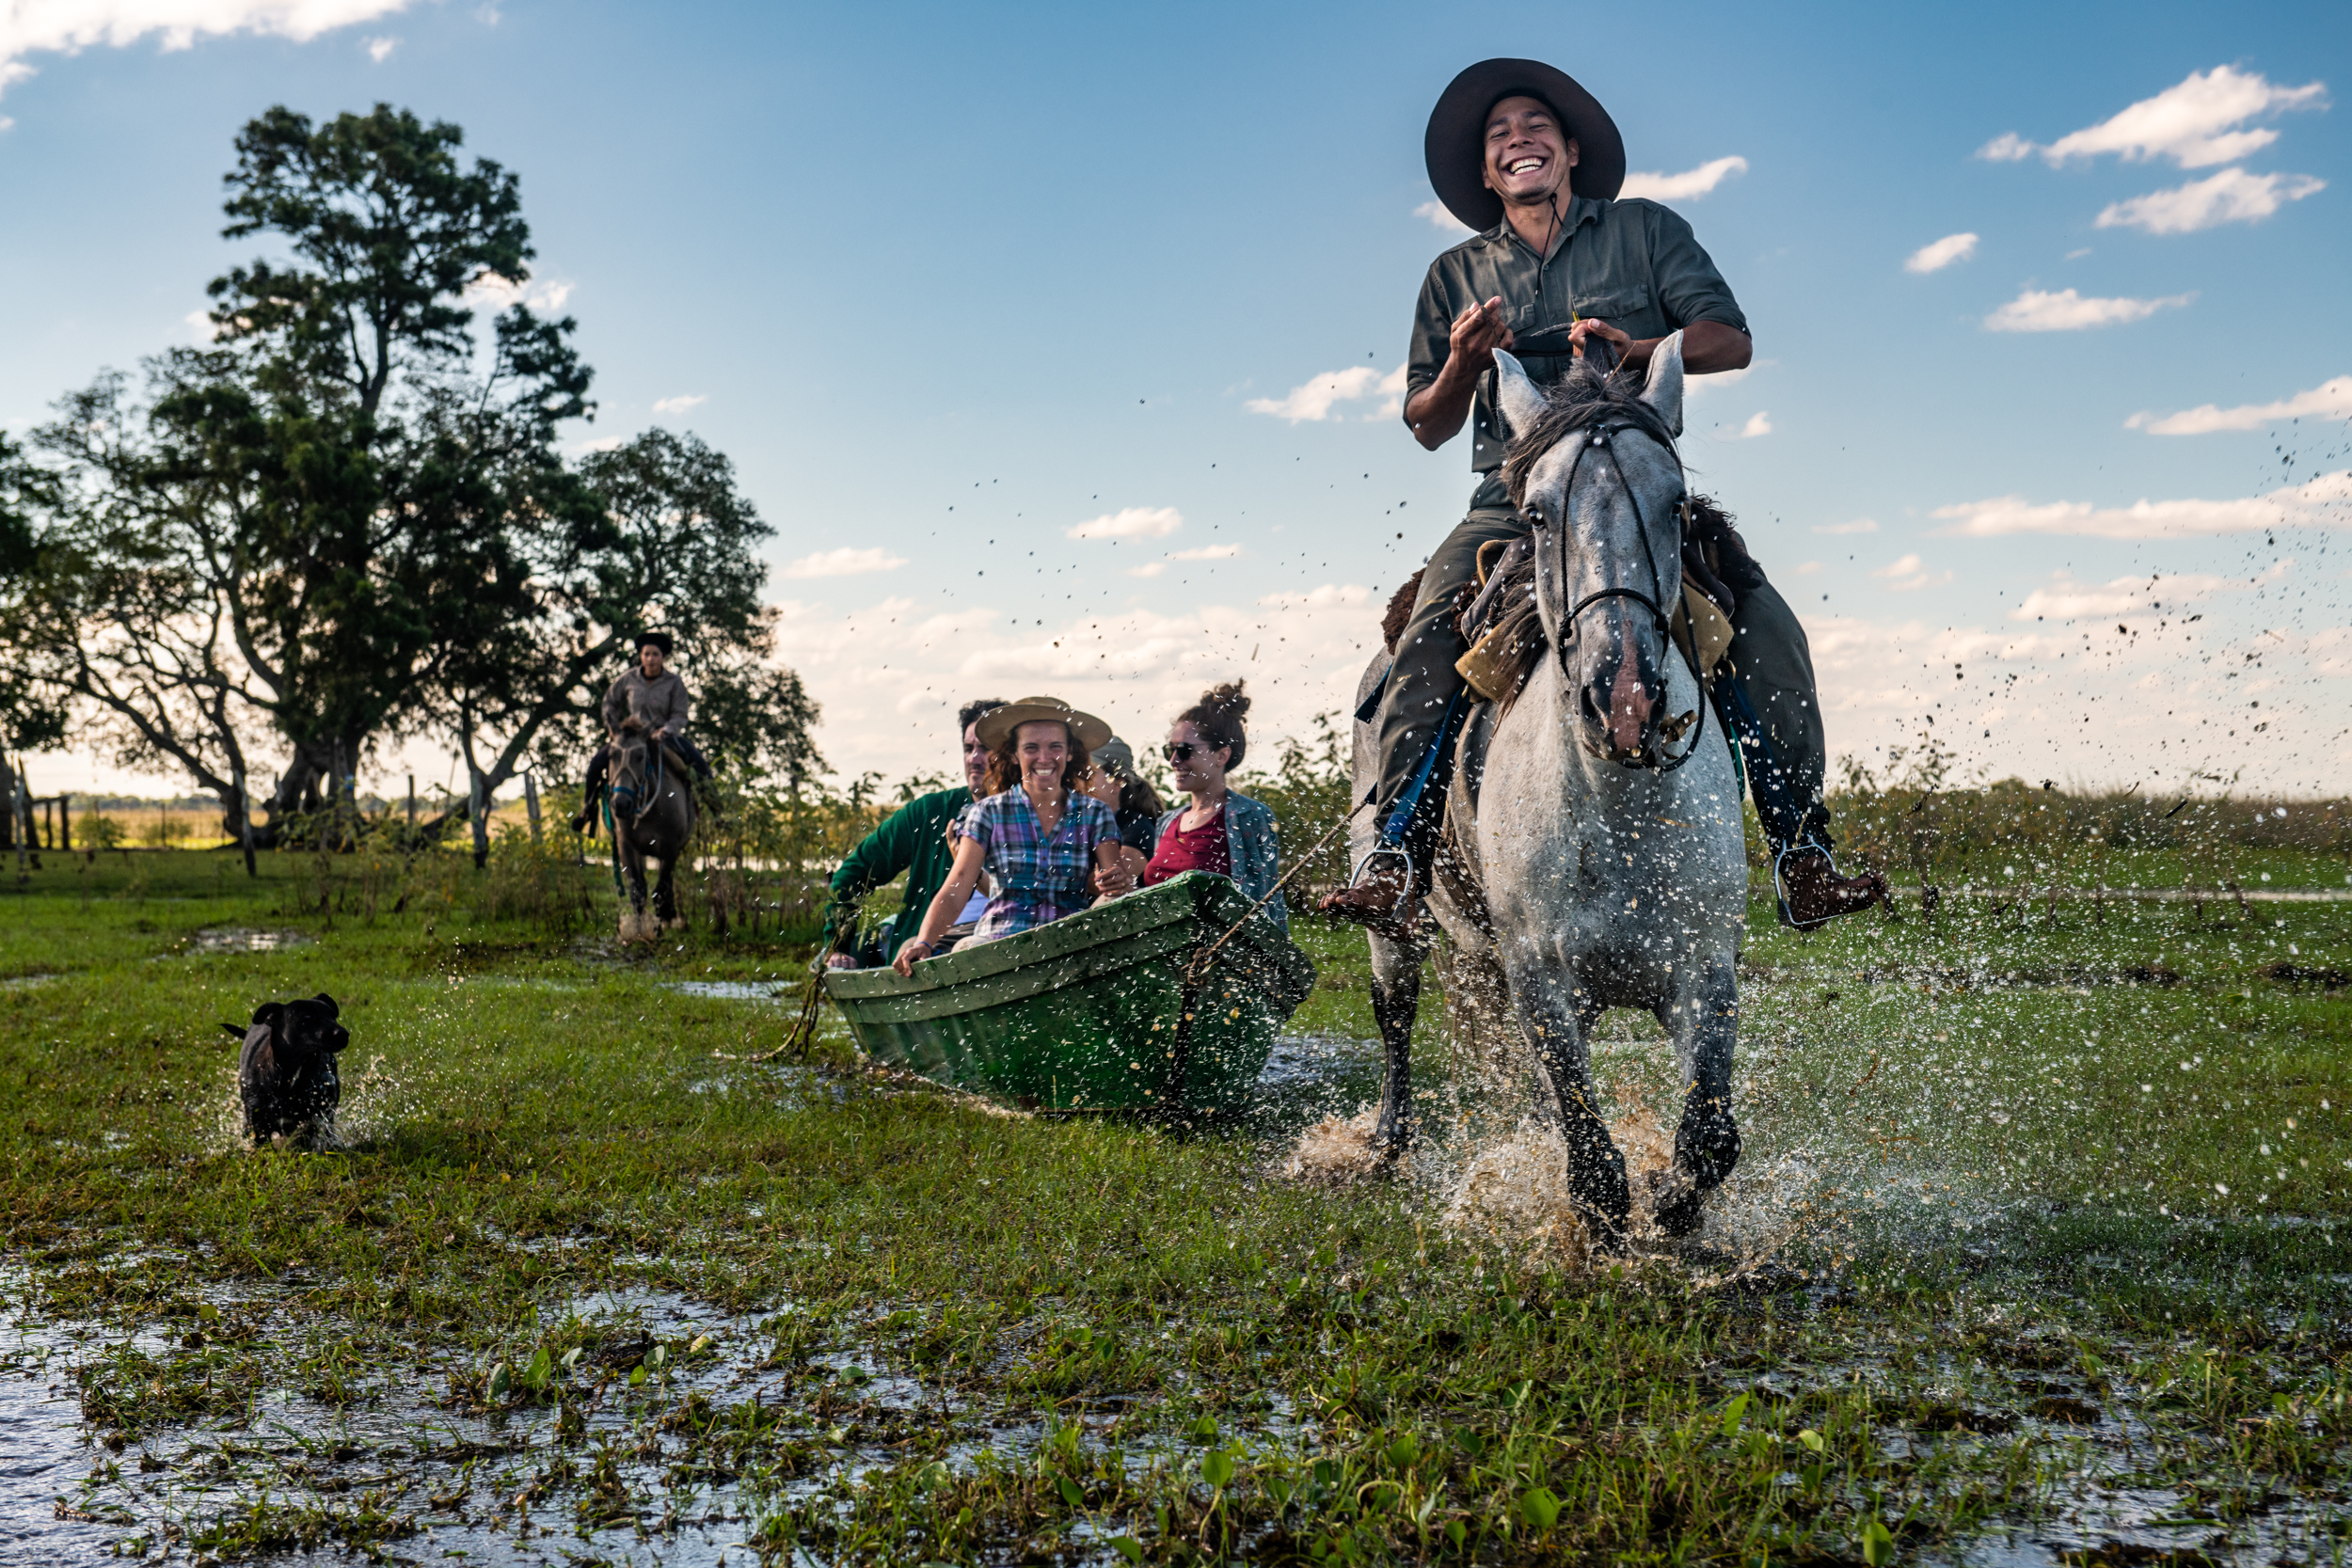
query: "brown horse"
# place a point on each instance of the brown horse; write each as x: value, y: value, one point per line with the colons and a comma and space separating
x: 652, y: 797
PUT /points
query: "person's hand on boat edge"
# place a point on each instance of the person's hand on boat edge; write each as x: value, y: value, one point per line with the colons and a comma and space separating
x: 906, y: 960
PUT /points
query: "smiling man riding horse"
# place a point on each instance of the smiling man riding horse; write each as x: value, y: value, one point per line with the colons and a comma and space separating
x: 1519, y: 151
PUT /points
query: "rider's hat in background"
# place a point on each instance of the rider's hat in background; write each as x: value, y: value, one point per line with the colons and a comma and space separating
x: 1455, y: 146
x: 656, y: 640
x: 997, y: 724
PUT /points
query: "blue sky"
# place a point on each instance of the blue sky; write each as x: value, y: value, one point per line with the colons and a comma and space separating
x: 1037, y: 265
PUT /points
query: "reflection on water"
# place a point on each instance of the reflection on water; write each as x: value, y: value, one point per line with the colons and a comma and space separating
x: 43, y: 1452
x: 243, y: 939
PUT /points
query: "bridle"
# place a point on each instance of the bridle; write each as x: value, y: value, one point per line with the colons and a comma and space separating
x: 1588, y: 437
x: 624, y: 791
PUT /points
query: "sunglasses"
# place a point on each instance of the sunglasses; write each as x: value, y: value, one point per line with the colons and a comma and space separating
x: 1181, y: 751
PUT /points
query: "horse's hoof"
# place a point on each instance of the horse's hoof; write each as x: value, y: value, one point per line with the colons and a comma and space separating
x: 1676, y: 1202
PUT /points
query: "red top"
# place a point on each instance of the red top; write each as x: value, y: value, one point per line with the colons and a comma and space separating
x: 1201, y: 850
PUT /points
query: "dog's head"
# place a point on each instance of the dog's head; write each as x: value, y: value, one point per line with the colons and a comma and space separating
x: 299, y: 1029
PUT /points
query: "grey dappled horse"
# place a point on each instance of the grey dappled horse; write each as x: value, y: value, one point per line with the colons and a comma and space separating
x: 1610, y: 862
x: 653, y: 818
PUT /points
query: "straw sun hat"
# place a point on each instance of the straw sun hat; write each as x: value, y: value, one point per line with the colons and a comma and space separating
x: 996, y: 725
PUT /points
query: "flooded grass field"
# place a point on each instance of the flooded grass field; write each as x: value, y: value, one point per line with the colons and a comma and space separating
x: 2036, y: 1255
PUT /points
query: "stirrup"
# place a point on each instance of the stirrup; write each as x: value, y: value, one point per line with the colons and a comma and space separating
x: 1807, y: 846
x: 1374, y: 853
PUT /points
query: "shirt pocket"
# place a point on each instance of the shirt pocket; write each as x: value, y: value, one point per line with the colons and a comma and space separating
x: 1614, y: 306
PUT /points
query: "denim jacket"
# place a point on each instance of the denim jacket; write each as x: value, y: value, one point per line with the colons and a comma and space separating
x: 1249, y: 843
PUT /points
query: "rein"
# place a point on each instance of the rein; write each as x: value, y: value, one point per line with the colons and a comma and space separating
x: 1598, y: 436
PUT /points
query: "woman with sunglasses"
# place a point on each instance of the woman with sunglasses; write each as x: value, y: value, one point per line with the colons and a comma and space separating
x: 1221, y: 830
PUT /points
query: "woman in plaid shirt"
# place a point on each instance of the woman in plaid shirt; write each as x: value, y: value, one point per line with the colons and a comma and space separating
x: 1037, y: 834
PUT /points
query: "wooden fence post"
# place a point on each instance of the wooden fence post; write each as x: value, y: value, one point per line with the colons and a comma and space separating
x: 479, y: 810
x: 530, y: 802
x: 65, y: 823
x: 245, y: 822
x: 412, y: 802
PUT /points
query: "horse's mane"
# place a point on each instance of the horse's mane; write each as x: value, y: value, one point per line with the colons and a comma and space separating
x: 1585, y: 396
x: 1400, y: 611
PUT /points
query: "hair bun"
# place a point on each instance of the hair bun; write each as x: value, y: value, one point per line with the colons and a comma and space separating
x: 1227, y: 699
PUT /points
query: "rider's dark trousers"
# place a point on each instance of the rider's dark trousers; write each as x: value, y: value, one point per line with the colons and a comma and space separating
x: 1769, y: 656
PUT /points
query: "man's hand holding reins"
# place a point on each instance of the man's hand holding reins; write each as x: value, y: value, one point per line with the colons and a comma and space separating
x: 1707, y: 346
x: 1436, y: 411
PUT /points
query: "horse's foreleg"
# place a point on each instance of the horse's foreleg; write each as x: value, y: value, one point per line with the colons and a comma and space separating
x: 1549, y: 1016
x: 666, y: 896
x: 1395, y: 1004
x: 1704, y: 1022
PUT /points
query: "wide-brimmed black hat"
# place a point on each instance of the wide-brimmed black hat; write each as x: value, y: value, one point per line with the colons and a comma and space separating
x: 1455, y: 144
x: 656, y: 640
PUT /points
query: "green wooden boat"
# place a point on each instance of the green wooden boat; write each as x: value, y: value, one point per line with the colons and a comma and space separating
x: 1094, y: 1013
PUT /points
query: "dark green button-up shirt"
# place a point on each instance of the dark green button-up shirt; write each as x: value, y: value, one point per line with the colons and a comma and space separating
x: 1631, y: 263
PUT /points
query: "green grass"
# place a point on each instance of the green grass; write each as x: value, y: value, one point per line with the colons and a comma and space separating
x: 936, y: 1334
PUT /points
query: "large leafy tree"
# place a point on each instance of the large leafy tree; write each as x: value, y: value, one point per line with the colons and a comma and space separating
x: 348, y: 519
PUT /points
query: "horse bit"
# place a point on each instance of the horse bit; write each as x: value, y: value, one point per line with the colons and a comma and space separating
x: 1597, y: 436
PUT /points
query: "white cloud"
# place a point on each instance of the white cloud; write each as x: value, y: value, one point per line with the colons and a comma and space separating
x: 1860, y: 525
x: 1907, y: 574
x: 1148, y: 569
x: 1131, y: 522
x: 2036, y: 311
x: 1689, y: 184
x: 602, y: 443
x: 1942, y: 253
x: 2232, y: 195
x: 846, y: 561
x: 1760, y: 423
x: 2195, y: 124
x: 1715, y: 381
x: 1316, y: 400
x: 1330, y: 595
x: 2322, y: 502
x: 680, y: 404
x: 2065, y: 599
x: 1441, y: 220
x: 1391, y: 390
x: 69, y: 27
x: 2331, y: 399
x: 380, y: 50
x: 488, y: 290
x: 1207, y: 552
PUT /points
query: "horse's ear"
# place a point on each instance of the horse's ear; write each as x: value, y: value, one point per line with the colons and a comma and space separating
x: 1523, y: 402
x: 1665, y: 390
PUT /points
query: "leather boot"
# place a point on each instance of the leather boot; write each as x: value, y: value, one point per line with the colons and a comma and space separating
x: 1385, y: 899
x: 1812, y: 892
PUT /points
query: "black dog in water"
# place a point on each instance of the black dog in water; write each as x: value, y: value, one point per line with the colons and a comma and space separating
x: 286, y: 1073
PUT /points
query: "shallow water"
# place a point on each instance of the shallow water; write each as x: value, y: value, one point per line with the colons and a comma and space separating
x: 43, y: 1454
x: 243, y: 939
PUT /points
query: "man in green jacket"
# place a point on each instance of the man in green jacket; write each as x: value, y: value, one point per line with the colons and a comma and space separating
x: 913, y: 839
